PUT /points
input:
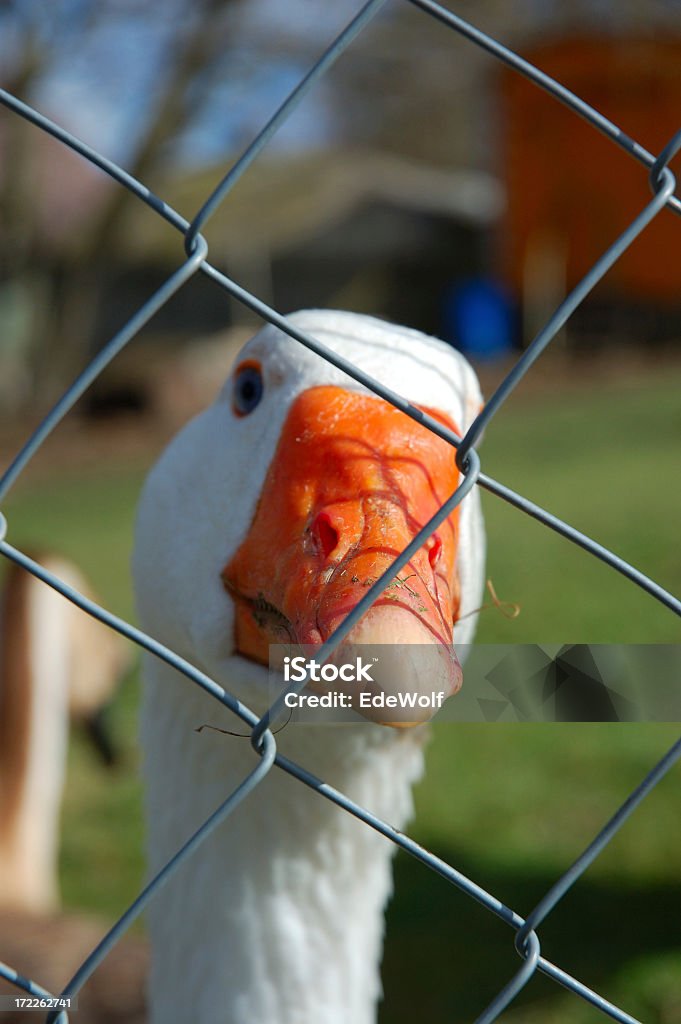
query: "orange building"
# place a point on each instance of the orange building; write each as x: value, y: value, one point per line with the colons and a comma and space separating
x: 572, y: 191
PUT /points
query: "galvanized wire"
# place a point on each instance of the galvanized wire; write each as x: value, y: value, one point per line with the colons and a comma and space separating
x: 663, y: 186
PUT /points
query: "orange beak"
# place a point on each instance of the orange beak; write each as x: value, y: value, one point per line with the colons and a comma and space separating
x: 350, y: 484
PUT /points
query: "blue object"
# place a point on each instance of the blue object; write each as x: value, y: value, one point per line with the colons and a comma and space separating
x: 479, y: 318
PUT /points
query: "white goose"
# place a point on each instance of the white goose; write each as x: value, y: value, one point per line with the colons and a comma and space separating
x: 56, y: 665
x: 270, y: 512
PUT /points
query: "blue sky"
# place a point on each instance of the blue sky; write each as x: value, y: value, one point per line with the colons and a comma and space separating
x: 101, y: 83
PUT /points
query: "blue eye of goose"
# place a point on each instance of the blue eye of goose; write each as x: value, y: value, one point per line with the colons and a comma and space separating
x: 247, y: 389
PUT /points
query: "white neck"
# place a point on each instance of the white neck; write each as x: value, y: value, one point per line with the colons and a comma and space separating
x: 33, y: 736
x: 279, y: 916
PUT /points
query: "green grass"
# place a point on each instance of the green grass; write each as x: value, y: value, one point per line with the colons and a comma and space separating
x: 89, y: 517
x: 607, y: 463
x: 509, y: 805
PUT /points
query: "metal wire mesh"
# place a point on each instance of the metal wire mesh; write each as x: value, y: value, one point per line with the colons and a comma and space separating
x: 662, y: 183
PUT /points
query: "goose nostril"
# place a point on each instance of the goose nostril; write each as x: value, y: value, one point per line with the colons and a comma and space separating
x: 326, y: 534
x: 434, y: 549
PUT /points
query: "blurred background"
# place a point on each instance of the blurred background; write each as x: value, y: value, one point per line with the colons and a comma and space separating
x: 423, y: 182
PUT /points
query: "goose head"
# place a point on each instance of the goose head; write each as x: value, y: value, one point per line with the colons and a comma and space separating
x: 273, y: 511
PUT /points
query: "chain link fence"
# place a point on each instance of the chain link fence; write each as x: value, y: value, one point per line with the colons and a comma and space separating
x: 196, y: 261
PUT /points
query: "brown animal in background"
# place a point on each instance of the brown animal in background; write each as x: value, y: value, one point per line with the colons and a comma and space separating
x: 57, y: 665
